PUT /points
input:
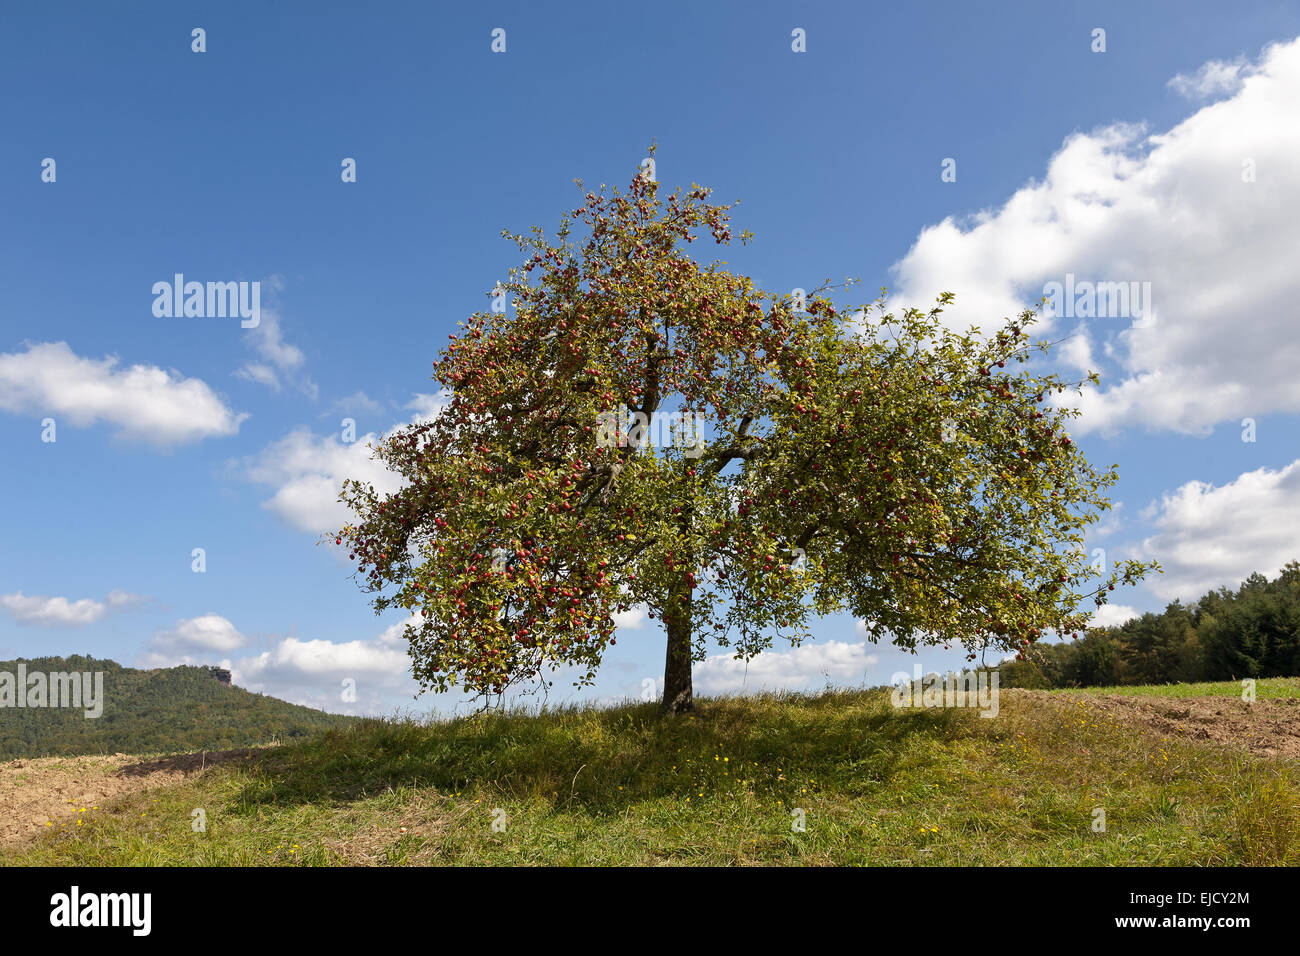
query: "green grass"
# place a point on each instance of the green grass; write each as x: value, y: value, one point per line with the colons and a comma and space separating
x: 626, y: 786
x: 1265, y: 688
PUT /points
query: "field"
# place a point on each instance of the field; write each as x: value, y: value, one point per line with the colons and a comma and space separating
x: 1277, y: 688
x: 1118, y: 776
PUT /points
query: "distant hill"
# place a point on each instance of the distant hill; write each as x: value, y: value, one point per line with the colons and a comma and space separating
x: 169, y: 710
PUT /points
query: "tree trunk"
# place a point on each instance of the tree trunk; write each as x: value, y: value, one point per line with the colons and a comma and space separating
x: 677, y: 662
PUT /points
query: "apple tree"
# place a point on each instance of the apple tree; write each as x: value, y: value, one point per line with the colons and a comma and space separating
x: 824, y: 460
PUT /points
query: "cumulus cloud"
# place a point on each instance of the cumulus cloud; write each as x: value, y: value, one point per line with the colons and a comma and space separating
x: 1209, y: 537
x: 1113, y: 615
x: 349, y: 676
x: 268, y: 341
x: 293, y: 659
x: 1214, y: 78
x: 795, y: 669
x: 631, y: 619
x: 199, y: 640
x: 1110, y: 523
x: 143, y: 402
x: 428, y: 407
x: 307, y: 471
x: 1203, y: 212
x: 302, y: 671
x: 42, y: 611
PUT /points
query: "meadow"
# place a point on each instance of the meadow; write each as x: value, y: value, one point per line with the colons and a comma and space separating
x: 836, y: 778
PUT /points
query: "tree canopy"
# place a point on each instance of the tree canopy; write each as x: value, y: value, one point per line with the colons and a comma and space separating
x: 826, y: 459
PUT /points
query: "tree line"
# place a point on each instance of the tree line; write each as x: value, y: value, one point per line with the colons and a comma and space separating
x: 1226, y: 635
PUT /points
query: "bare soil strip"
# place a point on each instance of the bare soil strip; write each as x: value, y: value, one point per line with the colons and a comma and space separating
x: 1266, y: 728
x: 50, y: 790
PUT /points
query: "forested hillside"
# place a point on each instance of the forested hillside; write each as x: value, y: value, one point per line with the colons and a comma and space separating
x: 177, y: 709
x: 1226, y: 635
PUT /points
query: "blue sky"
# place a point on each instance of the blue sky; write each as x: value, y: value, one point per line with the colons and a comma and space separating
x: 182, y: 433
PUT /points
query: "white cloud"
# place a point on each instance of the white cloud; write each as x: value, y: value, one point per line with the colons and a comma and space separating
x: 277, y: 355
x: 313, y: 673
x: 428, y: 407
x: 795, y: 669
x: 395, y: 634
x: 144, y: 402
x: 1171, y: 209
x: 268, y: 341
x: 1109, y: 524
x: 307, y: 471
x: 1208, y: 537
x: 1212, y: 79
x: 261, y: 374
x: 357, y: 403
x: 631, y: 619
x: 42, y: 611
x: 308, y: 672
x: 1113, y: 615
x: 195, y: 641
x: 293, y: 659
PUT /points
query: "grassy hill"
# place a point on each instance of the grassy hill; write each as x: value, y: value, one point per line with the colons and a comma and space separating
x: 171, y: 710
x: 872, y: 784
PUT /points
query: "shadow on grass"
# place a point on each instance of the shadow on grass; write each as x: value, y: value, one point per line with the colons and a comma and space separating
x: 603, y: 761
x: 186, y: 763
